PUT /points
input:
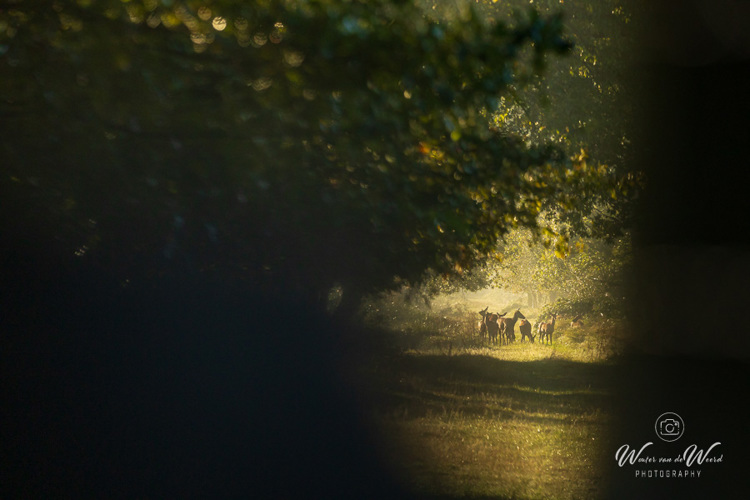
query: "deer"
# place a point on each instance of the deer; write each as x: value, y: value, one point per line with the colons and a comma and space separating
x: 507, y: 326
x: 488, y: 326
x: 577, y: 322
x: 493, y: 328
x: 525, y: 328
x: 482, y: 323
x: 546, y: 329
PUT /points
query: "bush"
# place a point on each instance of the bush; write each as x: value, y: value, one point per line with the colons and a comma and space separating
x: 568, y: 307
x: 610, y: 307
x: 606, y: 305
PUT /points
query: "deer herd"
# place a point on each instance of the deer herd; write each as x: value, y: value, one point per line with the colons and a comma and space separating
x: 499, y: 329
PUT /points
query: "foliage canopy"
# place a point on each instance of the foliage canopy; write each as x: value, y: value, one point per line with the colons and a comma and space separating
x: 300, y: 144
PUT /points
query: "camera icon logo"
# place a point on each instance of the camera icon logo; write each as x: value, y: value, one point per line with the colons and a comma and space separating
x: 669, y: 427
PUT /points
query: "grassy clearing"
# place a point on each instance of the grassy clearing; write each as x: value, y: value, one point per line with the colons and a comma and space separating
x: 461, y: 419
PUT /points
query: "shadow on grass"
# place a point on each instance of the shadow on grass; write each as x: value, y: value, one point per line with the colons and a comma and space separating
x: 481, y: 427
x: 542, y: 390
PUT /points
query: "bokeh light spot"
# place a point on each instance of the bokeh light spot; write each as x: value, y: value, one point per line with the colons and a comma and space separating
x: 219, y: 23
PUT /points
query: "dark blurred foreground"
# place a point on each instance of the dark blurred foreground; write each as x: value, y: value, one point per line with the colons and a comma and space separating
x: 175, y: 388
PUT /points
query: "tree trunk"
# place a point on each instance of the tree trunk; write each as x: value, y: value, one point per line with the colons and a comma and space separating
x: 533, y: 300
x: 348, y: 306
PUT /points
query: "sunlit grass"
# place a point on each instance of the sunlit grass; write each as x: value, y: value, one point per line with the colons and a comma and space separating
x: 452, y: 429
x: 568, y: 344
x: 457, y: 455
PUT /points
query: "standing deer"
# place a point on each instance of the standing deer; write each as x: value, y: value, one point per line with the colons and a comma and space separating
x: 525, y: 328
x: 507, y: 326
x: 482, y: 323
x: 488, y: 326
x: 577, y: 322
x: 546, y: 329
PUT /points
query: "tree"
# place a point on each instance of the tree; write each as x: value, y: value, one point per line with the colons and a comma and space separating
x: 296, y: 144
x: 590, y: 275
x: 588, y: 103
